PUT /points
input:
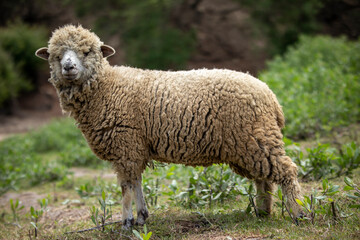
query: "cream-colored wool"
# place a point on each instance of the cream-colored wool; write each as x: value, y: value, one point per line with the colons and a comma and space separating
x: 130, y: 116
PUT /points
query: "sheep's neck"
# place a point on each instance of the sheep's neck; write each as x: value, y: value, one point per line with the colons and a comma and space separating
x: 75, y: 98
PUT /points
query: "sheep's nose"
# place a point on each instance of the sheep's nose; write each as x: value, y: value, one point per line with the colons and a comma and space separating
x: 68, y: 66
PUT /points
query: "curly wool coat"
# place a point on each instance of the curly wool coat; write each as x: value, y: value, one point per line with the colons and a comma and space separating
x: 130, y: 116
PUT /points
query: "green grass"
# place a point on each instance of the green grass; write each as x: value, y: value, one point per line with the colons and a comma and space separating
x: 44, y: 155
x: 169, y: 220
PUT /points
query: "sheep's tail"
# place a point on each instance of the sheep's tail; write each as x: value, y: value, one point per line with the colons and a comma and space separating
x: 279, y: 114
x: 280, y: 117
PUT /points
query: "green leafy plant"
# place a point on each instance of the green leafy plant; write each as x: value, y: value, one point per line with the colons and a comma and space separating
x: 15, y: 208
x: 106, y: 214
x: 323, y: 160
x: 143, y: 236
x: 207, y: 186
x: 323, y: 204
x: 319, y: 162
x: 348, y: 160
x: 94, y: 215
x: 105, y: 211
x: 355, y: 197
x: 36, y: 214
x: 86, y: 190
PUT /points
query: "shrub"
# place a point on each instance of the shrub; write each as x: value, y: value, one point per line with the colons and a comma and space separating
x: 11, y: 82
x: 323, y: 160
x: 56, y: 136
x: 24, y: 160
x: 20, y: 165
x: 151, y: 41
x: 18, y: 66
x: 317, y: 82
x: 282, y: 20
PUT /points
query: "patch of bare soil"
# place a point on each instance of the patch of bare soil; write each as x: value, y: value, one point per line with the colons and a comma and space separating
x: 27, y: 199
x: 64, y: 215
x: 85, y: 172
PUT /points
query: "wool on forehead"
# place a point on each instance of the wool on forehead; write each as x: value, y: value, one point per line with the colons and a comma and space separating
x: 75, y: 38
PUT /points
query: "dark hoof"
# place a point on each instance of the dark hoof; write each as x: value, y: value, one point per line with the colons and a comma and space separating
x: 128, y: 223
x: 141, y: 217
x: 300, y: 215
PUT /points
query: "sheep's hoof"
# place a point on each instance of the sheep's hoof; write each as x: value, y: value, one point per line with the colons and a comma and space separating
x: 141, y: 217
x: 127, y: 224
x: 300, y: 215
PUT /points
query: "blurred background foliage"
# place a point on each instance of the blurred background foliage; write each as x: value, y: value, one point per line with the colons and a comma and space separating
x: 315, y: 77
x: 317, y: 81
x: 311, y: 47
x: 18, y: 68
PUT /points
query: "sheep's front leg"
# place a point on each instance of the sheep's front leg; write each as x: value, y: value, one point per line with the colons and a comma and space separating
x: 142, y: 211
x: 127, y: 216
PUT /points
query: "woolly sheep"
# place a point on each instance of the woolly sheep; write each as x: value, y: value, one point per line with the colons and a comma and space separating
x: 130, y: 116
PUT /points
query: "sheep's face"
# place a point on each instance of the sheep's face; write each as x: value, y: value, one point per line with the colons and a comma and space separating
x: 75, y: 55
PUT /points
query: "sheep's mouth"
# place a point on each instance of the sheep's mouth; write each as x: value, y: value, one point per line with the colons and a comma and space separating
x: 70, y: 76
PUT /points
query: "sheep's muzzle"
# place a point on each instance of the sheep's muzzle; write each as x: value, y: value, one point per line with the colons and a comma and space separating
x: 71, y: 66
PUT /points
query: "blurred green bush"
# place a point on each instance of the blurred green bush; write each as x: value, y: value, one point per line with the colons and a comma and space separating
x: 18, y: 66
x: 317, y: 81
x: 282, y: 21
x: 44, y: 155
x: 151, y: 40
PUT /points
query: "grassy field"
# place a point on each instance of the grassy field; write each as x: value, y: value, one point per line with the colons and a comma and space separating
x: 51, y: 183
x: 184, y: 202
x: 68, y: 211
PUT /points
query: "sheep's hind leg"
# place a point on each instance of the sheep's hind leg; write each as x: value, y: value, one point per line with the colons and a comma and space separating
x: 264, y: 198
x: 142, y: 211
x: 127, y: 216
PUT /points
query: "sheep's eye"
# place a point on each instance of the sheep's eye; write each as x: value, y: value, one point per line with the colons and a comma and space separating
x: 86, y: 53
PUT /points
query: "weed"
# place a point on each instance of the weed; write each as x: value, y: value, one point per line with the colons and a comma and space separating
x: 323, y: 160
x: 36, y: 214
x: 106, y: 214
x: 142, y: 236
x: 15, y: 208
x: 351, y: 186
x: 349, y: 159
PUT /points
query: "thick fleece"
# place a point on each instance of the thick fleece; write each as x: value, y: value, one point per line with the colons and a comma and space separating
x: 130, y: 116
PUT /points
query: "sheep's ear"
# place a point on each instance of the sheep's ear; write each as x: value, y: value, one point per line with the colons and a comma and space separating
x: 107, y: 51
x: 42, y: 53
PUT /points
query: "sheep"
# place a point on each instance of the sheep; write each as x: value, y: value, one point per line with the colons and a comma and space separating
x: 131, y: 116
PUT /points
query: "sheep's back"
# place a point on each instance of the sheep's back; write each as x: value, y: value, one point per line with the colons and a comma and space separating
x: 201, y: 117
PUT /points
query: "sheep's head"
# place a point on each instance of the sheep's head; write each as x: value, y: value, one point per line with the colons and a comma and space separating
x: 75, y: 55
